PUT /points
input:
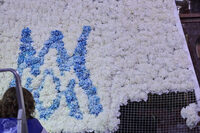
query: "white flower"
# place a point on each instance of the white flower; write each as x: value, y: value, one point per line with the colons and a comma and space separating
x: 191, y: 114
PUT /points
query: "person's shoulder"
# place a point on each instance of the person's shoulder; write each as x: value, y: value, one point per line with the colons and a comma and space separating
x: 37, y: 123
x: 34, y: 125
x: 33, y: 120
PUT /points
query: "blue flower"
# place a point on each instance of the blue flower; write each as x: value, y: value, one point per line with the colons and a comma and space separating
x: 55, y: 105
x: 36, y: 94
x: 26, y: 36
x: 28, y: 83
x: 56, y: 35
x: 35, y: 71
x: 20, y: 58
x: 94, y: 106
x: 91, y: 91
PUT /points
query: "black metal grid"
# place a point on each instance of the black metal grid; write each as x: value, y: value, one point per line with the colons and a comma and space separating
x: 160, y: 114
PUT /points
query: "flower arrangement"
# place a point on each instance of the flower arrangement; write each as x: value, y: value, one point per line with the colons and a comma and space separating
x: 99, y: 55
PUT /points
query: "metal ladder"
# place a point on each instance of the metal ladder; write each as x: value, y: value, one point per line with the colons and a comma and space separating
x: 21, y: 116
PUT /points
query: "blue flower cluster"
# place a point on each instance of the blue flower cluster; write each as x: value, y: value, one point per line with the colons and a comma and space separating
x: 27, y: 59
x: 83, y: 74
x: 26, y: 56
x: 46, y: 112
x: 72, y: 101
x: 28, y: 84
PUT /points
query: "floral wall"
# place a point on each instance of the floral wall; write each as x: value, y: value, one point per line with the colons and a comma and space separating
x: 83, y: 59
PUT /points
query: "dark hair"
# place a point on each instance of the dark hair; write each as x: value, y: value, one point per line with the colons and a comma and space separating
x: 10, y: 104
x: 0, y: 109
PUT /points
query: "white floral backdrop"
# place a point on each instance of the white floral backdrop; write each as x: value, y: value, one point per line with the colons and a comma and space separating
x: 124, y: 48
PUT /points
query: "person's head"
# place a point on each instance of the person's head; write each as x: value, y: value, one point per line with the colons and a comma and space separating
x: 10, y: 104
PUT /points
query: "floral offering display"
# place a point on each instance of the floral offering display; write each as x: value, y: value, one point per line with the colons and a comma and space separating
x: 82, y: 60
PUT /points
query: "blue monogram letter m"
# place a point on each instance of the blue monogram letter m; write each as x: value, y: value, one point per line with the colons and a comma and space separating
x: 27, y: 59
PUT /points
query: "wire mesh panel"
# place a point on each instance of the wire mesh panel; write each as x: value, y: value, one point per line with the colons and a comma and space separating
x: 160, y: 114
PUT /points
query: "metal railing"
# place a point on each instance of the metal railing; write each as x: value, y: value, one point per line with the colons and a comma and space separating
x: 21, y: 117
